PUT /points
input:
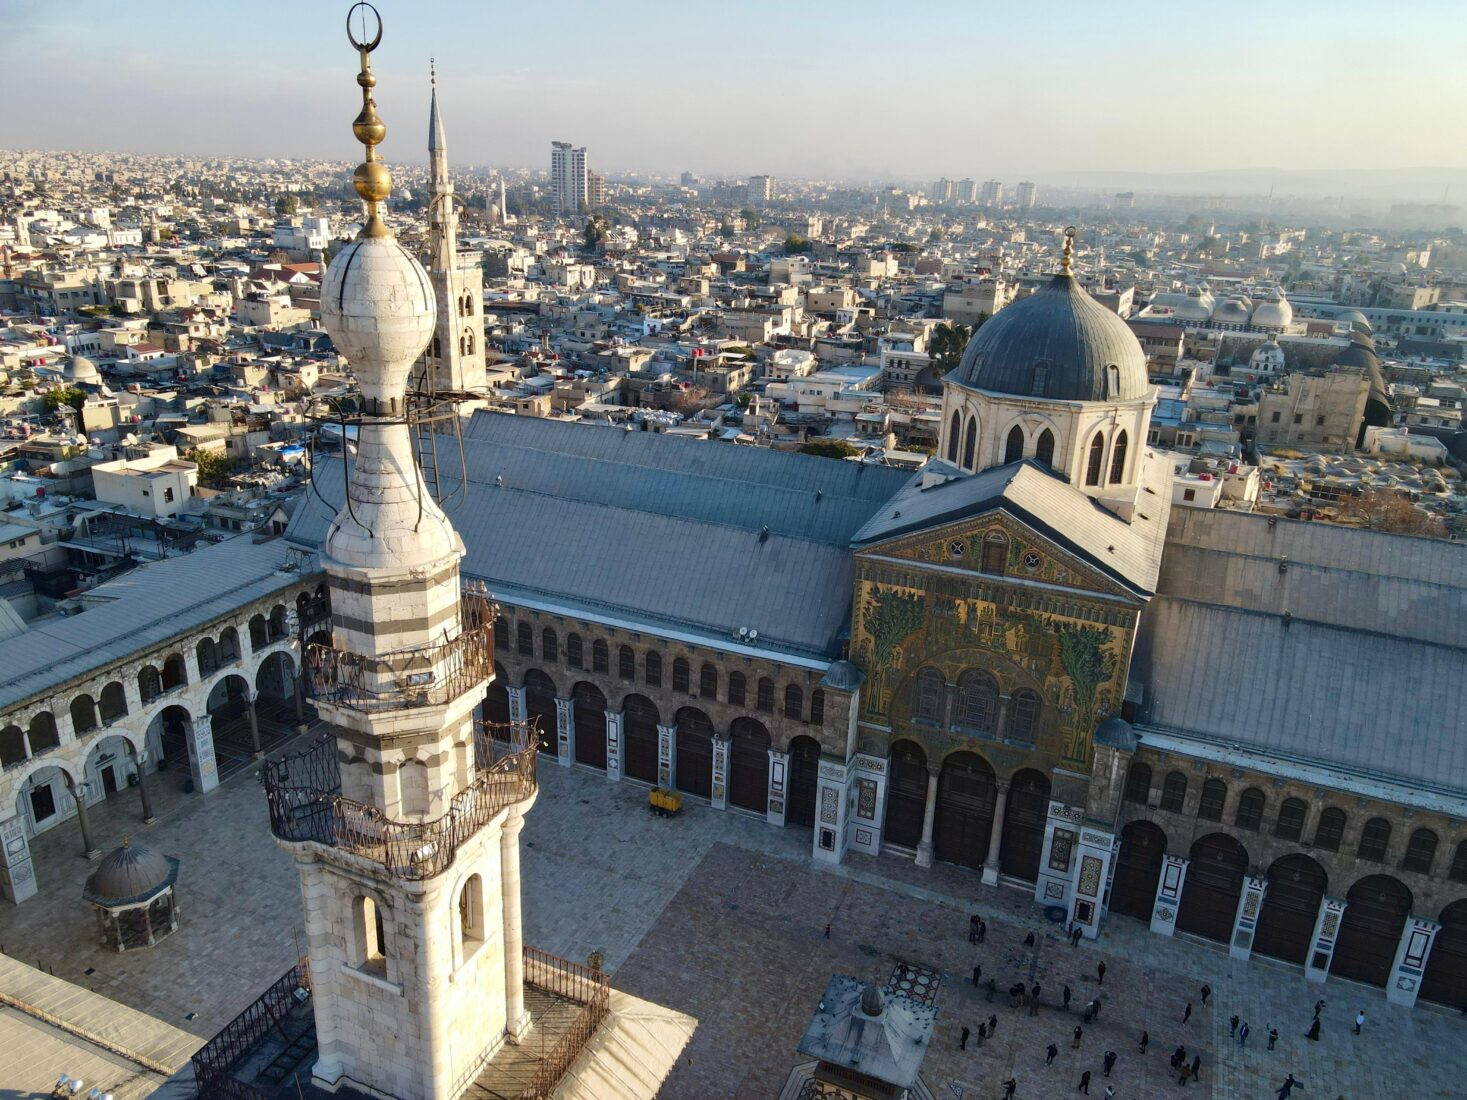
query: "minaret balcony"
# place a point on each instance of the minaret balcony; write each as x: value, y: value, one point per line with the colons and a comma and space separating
x: 303, y: 792
x: 405, y: 679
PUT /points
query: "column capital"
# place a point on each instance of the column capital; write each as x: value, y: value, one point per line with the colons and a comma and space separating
x: 1003, y: 785
x: 934, y: 770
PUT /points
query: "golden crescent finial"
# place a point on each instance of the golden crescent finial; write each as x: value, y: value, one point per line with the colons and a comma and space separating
x: 1069, y: 251
x: 433, y: 72
x: 371, y: 179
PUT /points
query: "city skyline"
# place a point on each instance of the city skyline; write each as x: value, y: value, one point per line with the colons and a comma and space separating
x: 1101, y: 92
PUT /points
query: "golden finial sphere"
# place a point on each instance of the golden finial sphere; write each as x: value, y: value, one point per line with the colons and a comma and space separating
x: 372, y: 181
x: 367, y: 79
x: 369, y: 129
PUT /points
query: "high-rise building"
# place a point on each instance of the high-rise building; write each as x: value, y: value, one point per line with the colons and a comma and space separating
x: 992, y: 193
x: 1026, y: 195
x: 595, y: 190
x: 569, y: 177
x: 1125, y: 200
x: 761, y: 189
x: 453, y: 361
x: 966, y: 191
x: 941, y: 191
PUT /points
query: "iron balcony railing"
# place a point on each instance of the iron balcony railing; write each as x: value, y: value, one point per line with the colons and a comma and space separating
x: 215, y: 1062
x: 303, y: 792
x: 417, y: 677
x: 588, y: 987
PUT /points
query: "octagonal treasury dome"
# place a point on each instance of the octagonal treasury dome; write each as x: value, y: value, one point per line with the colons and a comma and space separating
x: 1058, y: 343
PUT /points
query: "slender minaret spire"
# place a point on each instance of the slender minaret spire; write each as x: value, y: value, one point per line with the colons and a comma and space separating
x: 454, y: 360
x: 403, y: 823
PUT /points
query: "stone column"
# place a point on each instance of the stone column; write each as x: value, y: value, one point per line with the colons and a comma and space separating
x: 1001, y: 723
x: 78, y: 792
x: 249, y: 698
x: 199, y: 733
x: 1056, y: 875
x: 929, y: 812
x: 778, y: 769
x: 517, y: 711
x: 1326, y: 932
x: 565, y: 732
x: 830, y: 812
x: 720, y: 772
x: 139, y: 761
x: 1245, y: 922
x: 666, y: 756
x: 298, y: 692
x: 17, y: 875
x: 995, y: 835
x: 1092, y: 869
x: 517, y: 1019
x: 613, y: 744
x: 1169, y: 894
x: 1411, y: 955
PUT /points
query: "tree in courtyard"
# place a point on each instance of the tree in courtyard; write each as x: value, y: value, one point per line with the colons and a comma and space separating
x: 287, y: 205
x: 947, y: 344
x: 795, y: 243
x: 64, y: 395
x: 829, y: 448
x: 1387, y: 510
x: 214, y: 466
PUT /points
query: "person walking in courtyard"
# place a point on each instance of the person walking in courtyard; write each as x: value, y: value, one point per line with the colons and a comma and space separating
x: 1084, y: 1085
x: 992, y: 1026
x: 991, y: 987
x: 1075, y: 933
x: 973, y: 928
x: 1273, y: 1036
x: 977, y: 974
x: 1179, y: 1056
x: 1034, y: 999
x: 982, y: 930
x: 1206, y: 993
x: 1050, y: 1053
x: 1108, y: 1063
x: 1232, y: 1027
x: 1110, y: 1092
x: 1287, y: 1088
x: 1243, y: 1034
x: 1100, y: 972
x: 1313, y: 1033
x: 1089, y: 1013
x: 1079, y: 1034
x: 1145, y: 1041
x: 982, y: 1033
x: 1066, y: 996
x: 1029, y: 940
x: 1008, y: 1088
x: 1359, y: 1021
x: 1318, y: 1007
x: 963, y: 1039
x: 1196, y: 1066
x: 1187, y: 1013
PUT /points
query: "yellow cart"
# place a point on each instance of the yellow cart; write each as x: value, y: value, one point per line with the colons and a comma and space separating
x: 664, y: 803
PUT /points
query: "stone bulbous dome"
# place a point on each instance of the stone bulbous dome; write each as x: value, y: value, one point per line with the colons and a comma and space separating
x: 83, y: 370
x: 1233, y: 311
x: 377, y: 305
x: 1273, y: 313
x: 1185, y: 307
x: 1059, y: 343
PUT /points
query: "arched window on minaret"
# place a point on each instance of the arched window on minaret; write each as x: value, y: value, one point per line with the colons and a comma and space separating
x: 471, y: 914
x: 1118, y: 459
x: 371, y: 936
x: 1095, y: 460
x: 1013, y: 449
x: 1044, y: 449
x: 461, y: 342
x: 955, y: 430
x: 970, y: 443
x: 468, y: 341
x: 434, y: 349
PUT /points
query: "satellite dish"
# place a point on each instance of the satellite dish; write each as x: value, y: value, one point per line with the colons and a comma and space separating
x: 753, y: 634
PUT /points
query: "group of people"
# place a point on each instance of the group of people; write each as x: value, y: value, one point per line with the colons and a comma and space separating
x: 1187, y: 1067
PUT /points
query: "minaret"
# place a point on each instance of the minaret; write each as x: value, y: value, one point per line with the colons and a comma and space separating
x: 409, y: 862
x: 455, y: 357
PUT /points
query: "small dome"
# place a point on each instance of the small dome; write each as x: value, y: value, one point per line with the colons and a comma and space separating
x: 131, y: 873
x: 1232, y: 311
x: 1273, y: 313
x: 1117, y: 733
x: 377, y: 306
x: 1059, y: 343
x: 1185, y: 307
x: 83, y: 370
x: 871, y: 1001
x: 843, y: 676
x: 1268, y: 356
x: 1355, y: 319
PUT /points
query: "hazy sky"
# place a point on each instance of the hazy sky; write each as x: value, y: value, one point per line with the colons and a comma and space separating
x: 814, y: 88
